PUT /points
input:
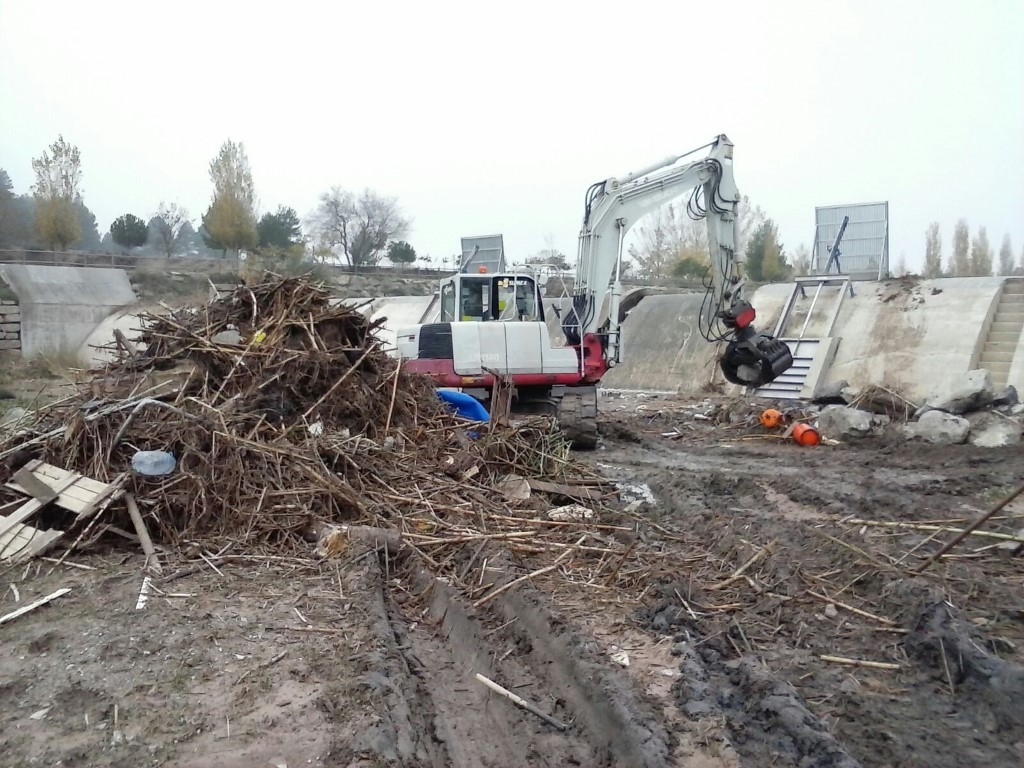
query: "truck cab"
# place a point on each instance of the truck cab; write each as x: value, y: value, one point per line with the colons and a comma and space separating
x: 483, y: 297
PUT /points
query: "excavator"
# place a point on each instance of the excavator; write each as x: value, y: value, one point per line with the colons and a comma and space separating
x: 493, y: 326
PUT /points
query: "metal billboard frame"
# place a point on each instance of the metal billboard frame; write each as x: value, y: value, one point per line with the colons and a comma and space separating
x: 483, y: 251
x: 865, y: 243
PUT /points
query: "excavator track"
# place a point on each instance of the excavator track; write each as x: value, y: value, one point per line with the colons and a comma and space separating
x: 577, y: 417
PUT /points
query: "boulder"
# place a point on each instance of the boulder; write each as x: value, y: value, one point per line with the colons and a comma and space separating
x: 972, y: 392
x: 828, y: 394
x: 839, y: 422
x: 1007, y: 397
x: 12, y: 417
x: 938, y: 427
x: 994, y: 431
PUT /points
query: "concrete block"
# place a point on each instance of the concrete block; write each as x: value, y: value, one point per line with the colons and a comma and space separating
x: 10, y: 327
x: 8, y: 303
x: 10, y: 317
x: 10, y: 344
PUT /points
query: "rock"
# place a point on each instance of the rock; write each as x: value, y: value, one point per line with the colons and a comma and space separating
x: 1007, y: 397
x: 229, y: 336
x: 13, y: 416
x: 939, y: 428
x: 994, y: 431
x: 1011, y: 548
x: 850, y: 394
x: 831, y: 393
x: 831, y: 611
x: 838, y: 422
x: 971, y: 393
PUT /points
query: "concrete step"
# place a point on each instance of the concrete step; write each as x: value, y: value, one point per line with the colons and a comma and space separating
x: 1010, y: 314
x: 1013, y: 287
x: 1005, y: 326
x: 1011, y: 298
x: 998, y: 351
x: 1004, y: 336
x: 997, y: 369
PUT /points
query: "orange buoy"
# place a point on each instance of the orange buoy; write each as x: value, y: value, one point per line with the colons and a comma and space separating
x: 806, y: 435
x: 771, y: 418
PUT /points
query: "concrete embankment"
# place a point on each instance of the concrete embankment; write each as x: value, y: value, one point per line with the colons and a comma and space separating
x: 61, y: 306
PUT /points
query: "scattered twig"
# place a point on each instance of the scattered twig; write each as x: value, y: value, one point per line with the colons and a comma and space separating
x: 521, y: 702
x: 860, y: 662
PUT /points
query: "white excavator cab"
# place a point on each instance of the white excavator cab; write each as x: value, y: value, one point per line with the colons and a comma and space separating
x: 482, y: 297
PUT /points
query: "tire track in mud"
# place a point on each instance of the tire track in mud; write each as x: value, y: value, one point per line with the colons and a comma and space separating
x: 432, y: 643
x: 954, y: 699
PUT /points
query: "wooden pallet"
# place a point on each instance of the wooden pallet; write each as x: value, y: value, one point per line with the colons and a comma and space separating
x: 46, y: 484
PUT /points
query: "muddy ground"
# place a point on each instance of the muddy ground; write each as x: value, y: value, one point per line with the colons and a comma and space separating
x: 749, y: 568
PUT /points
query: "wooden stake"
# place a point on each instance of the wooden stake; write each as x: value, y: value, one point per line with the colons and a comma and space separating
x: 140, y: 529
x: 32, y: 606
x: 522, y: 703
x: 967, y: 531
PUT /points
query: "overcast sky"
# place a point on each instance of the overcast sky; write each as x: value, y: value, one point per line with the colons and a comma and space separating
x: 486, y: 121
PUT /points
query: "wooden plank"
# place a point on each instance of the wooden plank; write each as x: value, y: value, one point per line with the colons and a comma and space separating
x: 10, y: 506
x: 32, y: 606
x: 68, y: 499
x: 41, y: 545
x: 56, y: 473
x: 25, y: 511
x: 102, y: 499
x: 123, y: 341
x: 34, y: 487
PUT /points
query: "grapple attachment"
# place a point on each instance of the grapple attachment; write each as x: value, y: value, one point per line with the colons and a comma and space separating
x: 754, y: 359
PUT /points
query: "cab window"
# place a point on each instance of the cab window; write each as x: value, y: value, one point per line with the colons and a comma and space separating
x: 517, y: 299
x: 475, y: 301
x: 448, y: 303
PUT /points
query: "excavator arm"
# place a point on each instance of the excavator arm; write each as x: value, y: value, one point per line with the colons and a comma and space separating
x: 613, y: 206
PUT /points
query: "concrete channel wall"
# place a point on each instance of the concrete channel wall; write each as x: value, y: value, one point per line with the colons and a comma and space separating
x: 61, y: 306
x: 912, y: 336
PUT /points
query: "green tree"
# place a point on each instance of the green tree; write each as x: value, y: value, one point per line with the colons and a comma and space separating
x: 961, y: 266
x: 57, y: 192
x: 166, y: 227
x: 230, y: 221
x: 129, y: 231
x: 981, y: 254
x: 766, y: 260
x: 400, y: 252
x: 1006, y: 264
x: 688, y: 268
x: 89, y: 233
x: 279, y: 230
x: 932, y: 251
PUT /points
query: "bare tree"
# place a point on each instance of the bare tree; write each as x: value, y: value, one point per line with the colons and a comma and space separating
x: 360, y: 227
x: 932, y: 251
x: 1006, y: 257
x: 167, y: 225
x: 802, y: 260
